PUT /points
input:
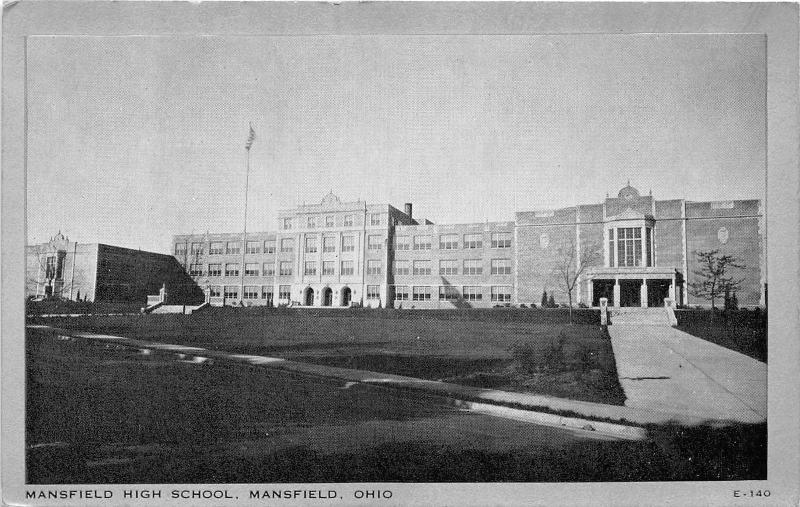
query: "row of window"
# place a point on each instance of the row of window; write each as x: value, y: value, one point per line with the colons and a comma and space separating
x: 374, y: 242
x: 497, y: 293
x: 285, y: 268
x: 451, y: 241
x: 313, y: 222
x: 451, y: 267
x: 251, y: 292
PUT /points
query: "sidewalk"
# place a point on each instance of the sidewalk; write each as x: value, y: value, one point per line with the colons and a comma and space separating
x: 463, y: 395
x: 666, y: 370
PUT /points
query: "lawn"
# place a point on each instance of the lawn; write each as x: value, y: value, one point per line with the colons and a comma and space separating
x: 744, y: 331
x: 520, y: 350
x: 100, y: 414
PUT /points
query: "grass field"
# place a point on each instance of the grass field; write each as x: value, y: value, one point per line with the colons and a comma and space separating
x: 100, y: 414
x: 522, y: 350
x: 744, y: 331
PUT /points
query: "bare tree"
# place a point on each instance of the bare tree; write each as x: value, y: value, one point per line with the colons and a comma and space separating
x: 713, y: 281
x: 570, y: 263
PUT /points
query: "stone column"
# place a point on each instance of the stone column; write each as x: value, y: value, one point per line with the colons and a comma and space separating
x: 672, y: 288
x: 643, y: 293
x: 616, y: 293
x: 591, y: 292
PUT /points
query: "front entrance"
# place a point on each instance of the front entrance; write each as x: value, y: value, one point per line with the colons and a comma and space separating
x: 630, y: 293
x: 327, y: 296
x: 308, y: 298
x: 346, y: 296
x: 657, y: 291
x: 602, y: 289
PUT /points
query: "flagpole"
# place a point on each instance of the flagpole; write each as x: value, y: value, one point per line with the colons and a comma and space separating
x: 244, y: 226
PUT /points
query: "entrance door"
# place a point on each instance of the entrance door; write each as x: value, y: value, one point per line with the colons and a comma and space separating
x: 602, y: 289
x: 657, y: 291
x: 630, y: 293
x: 309, y: 299
x: 327, y: 296
x: 346, y: 296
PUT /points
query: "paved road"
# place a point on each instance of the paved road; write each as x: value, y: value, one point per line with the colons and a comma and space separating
x: 666, y: 370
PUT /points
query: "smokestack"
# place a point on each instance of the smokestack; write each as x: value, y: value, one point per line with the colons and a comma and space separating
x: 408, y: 210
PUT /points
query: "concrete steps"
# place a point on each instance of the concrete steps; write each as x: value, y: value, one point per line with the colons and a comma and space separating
x: 640, y: 316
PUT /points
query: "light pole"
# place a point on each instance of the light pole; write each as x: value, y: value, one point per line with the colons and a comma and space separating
x: 250, y: 138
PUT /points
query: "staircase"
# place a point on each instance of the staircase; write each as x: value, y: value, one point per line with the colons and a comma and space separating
x: 186, y: 309
x: 657, y: 316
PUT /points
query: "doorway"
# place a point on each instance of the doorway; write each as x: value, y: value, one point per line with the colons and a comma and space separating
x: 346, y: 296
x: 630, y: 293
x: 327, y: 296
x: 657, y: 291
x: 602, y: 289
x: 308, y: 298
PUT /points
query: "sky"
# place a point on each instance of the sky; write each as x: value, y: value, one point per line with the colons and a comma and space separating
x: 134, y: 139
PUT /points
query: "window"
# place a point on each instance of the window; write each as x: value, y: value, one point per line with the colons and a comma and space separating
x: 311, y: 244
x: 648, y: 249
x: 348, y: 220
x: 422, y: 242
x: 196, y: 270
x: 231, y: 292
x: 373, y: 291
x: 329, y: 221
x: 629, y: 246
x: 266, y: 292
x: 251, y: 292
x: 287, y: 245
x: 374, y: 243
x: 215, y: 270
x: 422, y: 267
x: 328, y: 267
x: 373, y: 267
x: 421, y: 293
x: 268, y: 269
x: 448, y: 267
x: 50, y: 268
x: 501, y: 294
x: 472, y: 241
x: 448, y: 241
x: 253, y: 247
x: 472, y: 293
x: 501, y: 240
x: 329, y: 244
x: 311, y: 222
x: 180, y: 249
x: 215, y: 291
x: 375, y: 219
x: 402, y: 243
x: 401, y: 293
x: 216, y: 248
x: 285, y: 268
x: 269, y: 246
x: 501, y: 266
x: 347, y: 268
x: 310, y: 268
x: 611, y: 248
x: 251, y: 269
x: 197, y: 249
x: 233, y: 247
x: 348, y: 243
x: 284, y: 292
x: 402, y: 268
x: 231, y: 270
x: 286, y: 224
x: 448, y: 293
x: 473, y: 267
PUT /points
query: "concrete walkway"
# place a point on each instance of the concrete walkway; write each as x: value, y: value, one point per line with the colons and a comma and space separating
x: 666, y: 370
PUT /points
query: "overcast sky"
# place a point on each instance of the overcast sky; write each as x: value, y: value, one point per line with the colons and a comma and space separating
x: 134, y: 139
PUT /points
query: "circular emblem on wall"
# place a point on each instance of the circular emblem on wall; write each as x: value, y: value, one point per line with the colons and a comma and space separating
x: 544, y: 240
x: 723, y: 235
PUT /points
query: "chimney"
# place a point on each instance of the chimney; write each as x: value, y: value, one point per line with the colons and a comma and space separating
x: 408, y: 210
